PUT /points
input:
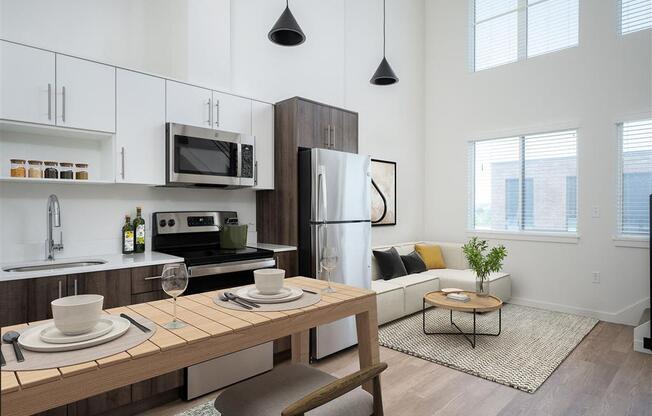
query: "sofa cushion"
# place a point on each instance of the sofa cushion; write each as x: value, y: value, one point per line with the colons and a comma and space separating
x: 431, y: 255
x: 390, y: 264
x: 413, y: 263
x: 414, y: 287
x: 390, y: 300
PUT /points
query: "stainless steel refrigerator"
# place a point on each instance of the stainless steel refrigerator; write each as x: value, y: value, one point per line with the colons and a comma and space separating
x: 334, y: 210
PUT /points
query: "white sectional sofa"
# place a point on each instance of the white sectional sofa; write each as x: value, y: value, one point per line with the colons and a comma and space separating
x: 403, y: 295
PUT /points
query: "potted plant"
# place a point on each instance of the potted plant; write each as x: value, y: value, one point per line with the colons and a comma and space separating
x: 483, y: 264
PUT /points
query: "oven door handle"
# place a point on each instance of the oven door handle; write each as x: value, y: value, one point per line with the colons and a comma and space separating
x: 230, y: 267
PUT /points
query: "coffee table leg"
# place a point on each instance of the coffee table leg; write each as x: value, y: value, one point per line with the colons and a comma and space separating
x: 466, y: 335
x: 474, y: 332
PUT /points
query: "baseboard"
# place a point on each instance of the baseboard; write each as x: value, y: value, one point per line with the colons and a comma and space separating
x: 628, y: 315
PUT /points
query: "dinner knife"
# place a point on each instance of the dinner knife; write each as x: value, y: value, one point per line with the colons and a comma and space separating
x: 224, y: 298
x: 136, y: 324
x: 233, y: 296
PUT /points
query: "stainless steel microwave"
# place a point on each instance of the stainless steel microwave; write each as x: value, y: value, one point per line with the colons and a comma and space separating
x: 200, y: 156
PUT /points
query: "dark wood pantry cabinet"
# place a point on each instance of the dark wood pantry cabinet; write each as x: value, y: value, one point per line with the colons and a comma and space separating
x: 298, y: 123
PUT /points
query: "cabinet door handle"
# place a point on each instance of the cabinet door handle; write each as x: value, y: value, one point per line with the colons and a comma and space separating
x: 63, y: 104
x: 328, y: 140
x: 153, y: 278
x: 49, y: 101
x: 217, y: 113
x: 332, y: 130
x: 122, y: 156
x: 75, y: 287
x: 210, y: 110
x: 60, y: 289
x: 255, y: 173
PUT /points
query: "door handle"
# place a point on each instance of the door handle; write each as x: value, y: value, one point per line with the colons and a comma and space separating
x: 60, y: 290
x: 217, y: 113
x: 63, y: 104
x: 332, y: 135
x: 256, y: 173
x: 75, y: 287
x: 327, y: 139
x: 210, y: 108
x: 49, y: 101
x: 322, y: 205
x: 122, y: 155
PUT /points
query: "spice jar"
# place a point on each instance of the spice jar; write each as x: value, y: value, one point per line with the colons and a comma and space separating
x: 18, y: 168
x: 81, y: 171
x: 65, y: 172
x: 51, y: 170
x: 35, y: 169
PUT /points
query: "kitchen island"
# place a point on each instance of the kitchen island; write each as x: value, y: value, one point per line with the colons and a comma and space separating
x: 212, y: 332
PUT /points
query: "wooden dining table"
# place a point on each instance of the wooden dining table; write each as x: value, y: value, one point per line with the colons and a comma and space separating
x: 212, y: 331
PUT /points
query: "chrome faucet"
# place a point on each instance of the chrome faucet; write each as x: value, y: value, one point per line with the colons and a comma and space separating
x: 54, y: 220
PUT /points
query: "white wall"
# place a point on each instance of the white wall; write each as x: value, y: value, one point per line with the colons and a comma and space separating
x: 223, y: 44
x: 590, y: 87
x: 342, y: 50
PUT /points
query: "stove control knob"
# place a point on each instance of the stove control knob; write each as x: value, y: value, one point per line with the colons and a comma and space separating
x: 171, y: 223
x: 162, y: 223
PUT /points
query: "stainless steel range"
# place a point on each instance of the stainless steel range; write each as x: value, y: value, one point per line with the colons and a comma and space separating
x: 195, y: 236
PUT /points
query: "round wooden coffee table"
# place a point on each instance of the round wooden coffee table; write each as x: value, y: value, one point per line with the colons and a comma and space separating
x: 475, y: 305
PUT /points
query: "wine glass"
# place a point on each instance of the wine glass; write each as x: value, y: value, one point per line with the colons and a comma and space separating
x: 174, y: 281
x: 329, y: 259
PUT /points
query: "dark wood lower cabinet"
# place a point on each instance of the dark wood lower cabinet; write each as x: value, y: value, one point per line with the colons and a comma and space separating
x: 13, y: 302
x: 288, y: 261
x: 114, y: 285
x: 157, y: 385
x: 40, y: 292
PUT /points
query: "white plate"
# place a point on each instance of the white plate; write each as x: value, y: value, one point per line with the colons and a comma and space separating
x: 31, y: 338
x: 52, y: 335
x: 295, y: 293
x: 283, y: 293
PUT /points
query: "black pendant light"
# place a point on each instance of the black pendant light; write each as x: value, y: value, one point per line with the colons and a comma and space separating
x: 384, y: 75
x: 286, y: 30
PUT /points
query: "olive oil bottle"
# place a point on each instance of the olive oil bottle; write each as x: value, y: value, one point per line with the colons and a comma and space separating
x: 127, y: 236
x: 139, y: 230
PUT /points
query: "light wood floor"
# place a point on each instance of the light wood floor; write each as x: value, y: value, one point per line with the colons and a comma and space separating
x: 603, y: 376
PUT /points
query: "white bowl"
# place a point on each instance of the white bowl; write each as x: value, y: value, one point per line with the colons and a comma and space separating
x: 74, y: 315
x: 269, y: 281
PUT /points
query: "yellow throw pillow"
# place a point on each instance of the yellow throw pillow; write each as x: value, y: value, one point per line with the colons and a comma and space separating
x: 431, y: 255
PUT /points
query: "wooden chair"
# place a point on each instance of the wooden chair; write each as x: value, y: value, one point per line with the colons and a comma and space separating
x: 298, y: 389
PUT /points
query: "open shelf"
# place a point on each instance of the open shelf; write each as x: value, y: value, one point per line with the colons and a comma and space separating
x: 38, y: 142
x: 63, y: 181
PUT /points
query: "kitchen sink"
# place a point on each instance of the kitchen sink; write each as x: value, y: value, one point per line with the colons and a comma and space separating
x: 53, y: 266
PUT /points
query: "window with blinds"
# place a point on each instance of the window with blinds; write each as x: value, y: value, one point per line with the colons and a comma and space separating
x: 635, y: 15
x: 635, y: 177
x: 506, y: 31
x: 524, y: 183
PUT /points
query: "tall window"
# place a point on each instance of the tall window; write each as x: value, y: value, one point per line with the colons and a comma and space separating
x: 506, y: 31
x: 635, y: 15
x: 524, y: 183
x: 635, y: 177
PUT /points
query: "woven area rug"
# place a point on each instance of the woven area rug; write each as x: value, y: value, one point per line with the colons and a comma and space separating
x: 205, y: 409
x: 532, y: 344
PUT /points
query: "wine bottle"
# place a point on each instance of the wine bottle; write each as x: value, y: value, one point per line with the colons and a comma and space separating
x: 127, y: 236
x: 139, y: 229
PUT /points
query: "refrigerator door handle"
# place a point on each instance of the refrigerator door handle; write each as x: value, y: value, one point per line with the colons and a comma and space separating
x: 322, y: 206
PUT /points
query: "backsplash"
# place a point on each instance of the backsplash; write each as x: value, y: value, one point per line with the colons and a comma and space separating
x: 92, y: 215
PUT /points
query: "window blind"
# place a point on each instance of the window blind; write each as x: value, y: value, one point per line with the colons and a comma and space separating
x: 525, y: 183
x: 635, y: 15
x: 505, y: 31
x: 635, y: 177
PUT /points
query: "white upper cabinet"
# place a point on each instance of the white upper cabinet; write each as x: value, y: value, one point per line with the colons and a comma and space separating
x: 26, y: 84
x: 85, y: 94
x: 231, y: 113
x: 262, y: 127
x: 140, y: 133
x: 187, y: 104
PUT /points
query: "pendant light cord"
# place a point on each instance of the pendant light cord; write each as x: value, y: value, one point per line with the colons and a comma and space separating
x: 384, y: 25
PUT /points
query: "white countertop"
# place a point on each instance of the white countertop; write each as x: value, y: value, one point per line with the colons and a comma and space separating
x: 276, y: 248
x: 113, y: 262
